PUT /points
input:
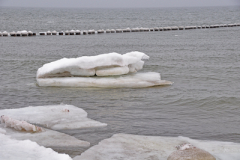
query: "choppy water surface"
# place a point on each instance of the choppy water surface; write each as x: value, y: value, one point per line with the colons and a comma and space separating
x: 203, y: 102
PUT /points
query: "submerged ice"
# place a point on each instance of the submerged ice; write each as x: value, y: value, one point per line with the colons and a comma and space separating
x: 131, y: 147
x: 111, y: 70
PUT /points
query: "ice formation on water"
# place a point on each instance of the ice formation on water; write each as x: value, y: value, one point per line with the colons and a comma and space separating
x: 132, y: 147
x: 55, y: 117
x: 105, y: 70
x: 12, y: 149
x: 47, y: 138
x: 130, y: 81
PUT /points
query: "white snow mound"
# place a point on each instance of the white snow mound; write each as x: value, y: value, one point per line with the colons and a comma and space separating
x: 87, y: 64
x: 132, y: 147
x: 12, y: 149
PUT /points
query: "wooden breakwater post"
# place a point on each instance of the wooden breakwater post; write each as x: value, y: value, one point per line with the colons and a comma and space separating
x: 5, y: 34
x: 85, y: 32
x: 100, y: 31
x: 126, y: 30
x: 66, y: 32
x: 42, y: 33
x: 119, y: 30
x: 49, y: 33
x: 78, y: 32
x: 61, y: 33
x: 91, y: 31
x: 72, y: 32
x: 30, y: 33
x: 54, y: 33
x: 181, y: 27
x: 13, y: 34
x: 174, y: 28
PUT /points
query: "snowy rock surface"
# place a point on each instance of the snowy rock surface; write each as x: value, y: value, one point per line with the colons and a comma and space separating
x: 132, y: 147
x: 56, y: 117
x: 12, y: 149
x: 137, y: 80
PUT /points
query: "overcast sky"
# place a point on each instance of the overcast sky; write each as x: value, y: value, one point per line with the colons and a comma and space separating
x: 117, y: 3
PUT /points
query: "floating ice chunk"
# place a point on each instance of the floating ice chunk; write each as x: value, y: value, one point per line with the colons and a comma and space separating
x: 137, y: 80
x: 90, y: 62
x: 112, y: 71
x: 12, y: 149
x: 132, y: 147
x: 47, y: 138
x: 54, y: 116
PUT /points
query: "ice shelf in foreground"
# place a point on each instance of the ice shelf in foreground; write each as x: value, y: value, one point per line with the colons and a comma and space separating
x: 110, y: 70
x: 132, y: 147
x: 57, y: 117
x: 137, y: 80
x: 12, y: 149
x: 46, y: 138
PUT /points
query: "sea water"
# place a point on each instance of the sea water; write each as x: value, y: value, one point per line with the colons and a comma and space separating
x: 203, y: 103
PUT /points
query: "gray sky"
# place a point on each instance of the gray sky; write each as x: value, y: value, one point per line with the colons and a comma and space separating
x: 117, y: 3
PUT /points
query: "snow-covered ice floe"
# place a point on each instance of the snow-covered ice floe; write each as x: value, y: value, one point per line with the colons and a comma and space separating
x: 12, y: 149
x: 57, y: 117
x: 132, y: 147
x: 111, y: 70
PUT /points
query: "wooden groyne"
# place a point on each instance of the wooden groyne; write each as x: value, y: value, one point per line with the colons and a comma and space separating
x: 102, y: 31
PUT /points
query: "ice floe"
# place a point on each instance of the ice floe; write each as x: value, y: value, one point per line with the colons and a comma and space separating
x: 105, y: 70
x: 12, y: 149
x: 127, y: 81
x: 131, y: 147
x: 57, y: 117
x: 47, y: 138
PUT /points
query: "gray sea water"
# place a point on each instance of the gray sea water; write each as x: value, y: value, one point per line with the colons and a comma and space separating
x: 203, y: 102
